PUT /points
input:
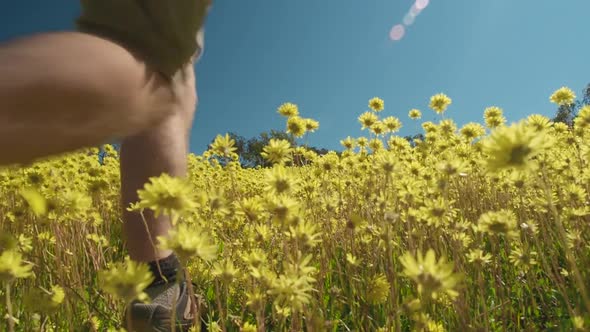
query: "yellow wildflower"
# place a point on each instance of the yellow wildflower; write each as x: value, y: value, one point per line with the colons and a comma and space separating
x: 563, y: 96
x: 392, y: 124
x: 415, y: 114
x: 296, y: 126
x: 188, y: 241
x: 311, y: 125
x: 439, y: 102
x: 431, y: 276
x: 368, y: 119
x: 378, y: 290
x: 166, y: 195
x: 127, y: 281
x: 348, y: 143
x: 288, y: 110
x: 514, y: 147
x: 12, y: 266
x: 502, y: 222
x: 376, y: 104
x: 278, y: 151
x: 223, y: 146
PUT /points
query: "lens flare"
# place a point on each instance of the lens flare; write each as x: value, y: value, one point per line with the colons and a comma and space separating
x: 414, y: 10
x: 421, y: 4
x: 397, y: 32
x: 409, y: 19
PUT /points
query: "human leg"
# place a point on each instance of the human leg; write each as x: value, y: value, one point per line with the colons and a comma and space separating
x: 57, y: 95
x: 64, y: 91
x: 162, y: 148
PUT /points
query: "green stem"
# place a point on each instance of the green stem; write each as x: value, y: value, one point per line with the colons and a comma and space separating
x: 482, y: 292
x: 568, y: 253
x: 9, y: 308
x: 147, y: 229
x: 219, y: 306
x: 194, y: 306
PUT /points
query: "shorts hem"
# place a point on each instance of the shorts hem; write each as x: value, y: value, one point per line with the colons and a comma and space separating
x: 144, y: 53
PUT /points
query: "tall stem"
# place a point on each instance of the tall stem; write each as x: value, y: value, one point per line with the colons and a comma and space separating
x: 568, y: 253
x: 9, y: 308
x: 147, y: 229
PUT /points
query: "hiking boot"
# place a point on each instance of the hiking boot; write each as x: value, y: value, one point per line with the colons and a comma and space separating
x: 156, y: 316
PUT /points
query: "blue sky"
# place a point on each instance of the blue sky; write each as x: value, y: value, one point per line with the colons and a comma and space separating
x: 331, y: 56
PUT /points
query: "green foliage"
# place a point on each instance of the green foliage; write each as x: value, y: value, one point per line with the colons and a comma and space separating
x: 250, y: 149
x: 567, y: 113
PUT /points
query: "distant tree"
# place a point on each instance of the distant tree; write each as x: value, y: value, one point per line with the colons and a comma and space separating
x: 240, y: 144
x: 249, y: 150
x: 252, y: 154
x: 319, y: 151
x: 586, y: 99
x: 412, y: 139
x: 567, y: 113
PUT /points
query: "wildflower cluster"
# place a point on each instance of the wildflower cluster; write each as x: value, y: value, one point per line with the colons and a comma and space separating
x: 481, y: 227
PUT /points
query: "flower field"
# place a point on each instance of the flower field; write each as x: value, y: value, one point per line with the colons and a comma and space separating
x: 478, y: 228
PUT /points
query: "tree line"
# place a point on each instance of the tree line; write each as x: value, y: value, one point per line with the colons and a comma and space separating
x: 249, y: 149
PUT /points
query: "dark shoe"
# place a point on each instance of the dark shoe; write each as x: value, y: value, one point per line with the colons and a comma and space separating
x: 156, y: 316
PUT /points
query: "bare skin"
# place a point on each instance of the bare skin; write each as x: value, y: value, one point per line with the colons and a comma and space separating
x: 63, y: 91
x: 161, y: 148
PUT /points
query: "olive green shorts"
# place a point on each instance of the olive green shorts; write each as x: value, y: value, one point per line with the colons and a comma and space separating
x: 167, y: 34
